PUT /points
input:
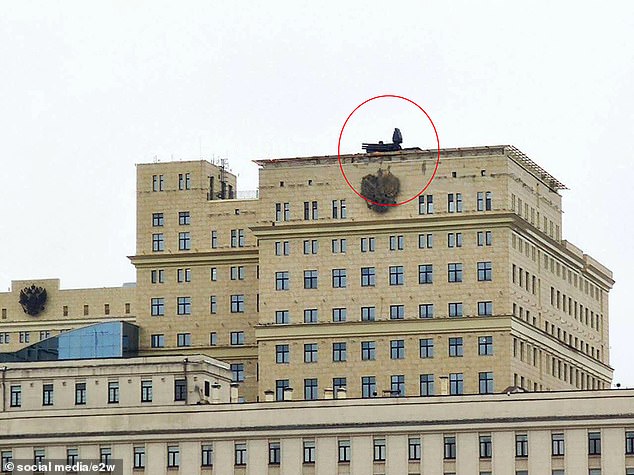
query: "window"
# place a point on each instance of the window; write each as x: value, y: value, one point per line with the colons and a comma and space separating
x: 485, y: 309
x: 629, y: 443
x: 339, y: 278
x: 44, y: 334
x: 237, y: 273
x: 367, y: 244
x: 368, y: 275
x: 425, y: 274
x: 183, y: 305
x: 311, y: 246
x: 397, y: 349
x: 455, y: 346
x: 368, y: 386
x: 157, y: 341
x: 183, y: 339
x: 184, y: 182
x: 214, y: 239
x: 282, y: 212
x: 146, y: 391
x: 339, y: 352
x: 173, y: 456
x: 425, y: 204
x: 213, y: 272
x: 339, y: 246
x: 413, y: 448
x: 480, y: 201
x: 396, y: 275
x: 275, y: 453
x: 426, y: 310
x: 213, y: 304
x: 454, y: 272
x: 105, y: 455
x: 379, y: 450
x: 206, y: 455
x: 484, y: 271
x: 72, y: 456
x: 310, y: 353
x: 344, y: 451
x: 594, y: 443
x: 454, y: 203
x: 486, y: 447
x: 455, y: 309
x: 158, y: 244
x: 184, y: 218
x: 310, y: 210
x: 397, y: 312
x: 485, y: 238
x: 282, y: 354
x: 488, y: 203
x: 311, y: 391
x: 309, y: 451
x: 281, y: 280
x: 558, y: 447
x: 237, y: 338
x: 397, y: 385
x: 113, y: 392
x: 16, y: 396
x: 157, y: 219
x: 310, y: 279
x: 368, y: 314
x: 454, y: 239
x: 486, y: 382
x: 282, y: 317
x: 368, y: 350
x: 184, y: 241
x: 456, y: 383
x: 237, y: 304
x: 338, y: 383
x: 339, y: 209
x: 310, y: 315
x: 521, y: 445
x: 47, y: 395
x: 213, y: 338
x: 157, y: 182
x: 280, y: 386
x: 139, y: 457
x: 282, y: 248
x: 426, y: 347
x: 339, y: 314
x: 240, y: 453
x: 157, y: 276
x: 183, y: 275
x: 449, y: 447
x: 397, y: 243
x: 80, y: 394
x: 485, y: 345
x: 180, y: 390
x: 425, y: 241
x: 592, y: 471
x: 426, y: 384
x: 237, y: 238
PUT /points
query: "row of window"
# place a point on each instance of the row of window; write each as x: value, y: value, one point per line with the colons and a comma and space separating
x: 396, y: 350
x: 158, y: 219
x: 184, y: 275
x: 236, y: 338
x: 570, y: 340
x: 575, y: 309
x: 184, y: 182
x: 86, y: 309
x: 344, y: 451
x: 338, y: 210
x: 185, y: 240
x: 549, y: 227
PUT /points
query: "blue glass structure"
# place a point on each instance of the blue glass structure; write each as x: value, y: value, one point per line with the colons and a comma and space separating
x: 101, y: 340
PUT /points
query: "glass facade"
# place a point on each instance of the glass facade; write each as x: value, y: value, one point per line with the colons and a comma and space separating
x: 102, y: 340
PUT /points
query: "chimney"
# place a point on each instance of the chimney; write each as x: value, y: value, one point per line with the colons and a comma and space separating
x: 444, y: 385
x: 234, y: 392
x: 269, y: 395
x: 340, y: 393
x: 288, y: 394
x: 328, y: 393
x: 215, y: 393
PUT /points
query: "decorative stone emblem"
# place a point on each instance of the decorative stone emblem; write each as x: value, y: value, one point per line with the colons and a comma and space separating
x: 33, y: 299
x: 381, y: 188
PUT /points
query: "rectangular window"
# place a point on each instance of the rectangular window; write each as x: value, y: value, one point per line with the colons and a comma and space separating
x: 485, y: 345
x: 240, y: 453
x: 485, y: 309
x: 184, y: 181
x: 157, y: 182
x: 454, y: 203
x: 427, y: 385
x: 47, y: 395
x: 454, y: 272
x: 485, y: 238
x: 339, y: 314
x: 282, y: 354
x: 183, y: 339
x: 368, y: 244
x: 397, y: 243
x: 157, y: 276
x: 158, y: 243
x: 275, y: 453
x: 311, y: 246
x: 338, y: 384
x: 426, y: 347
x: 339, y: 246
x: 213, y: 304
x: 594, y: 443
x: 237, y: 304
x: 426, y: 310
x: 214, y: 239
x: 486, y: 447
x: 105, y: 455
x: 157, y: 220
x: 343, y: 451
x: 397, y: 385
x: 184, y: 241
x: 237, y: 338
x: 454, y: 239
x: 521, y: 445
x: 113, y: 392
x: 310, y: 353
x: 339, y: 278
x: 486, y: 383
x: 558, y: 445
x: 237, y: 273
x: 281, y: 280
x: 413, y: 448
x: 425, y: 274
x: 180, y: 390
x: 213, y: 338
x: 368, y: 386
x: 425, y: 241
x: 206, y: 455
x: 146, y: 391
x: 455, y: 309
x: 455, y: 346
x: 183, y: 305
x: 311, y: 391
x: 280, y: 386
x: 396, y: 275
x: 379, y: 450
x: 397, y: 349
x: 72, y: 456
x: 80, y: 394
x: 368, y: 350
x: 339, y: 352
x: 629, y: 443
x: 426, y: 204
x: 139, y: 457
x: 449, y: 448
x: 311, y: 315
x: 456, y: 383
x: 309, y: 451
x: 485, y: 271
x: 368, y: 277
x: 183, y: 275
x: 397, y: 312
x: 310, y: 279
x: 368, y: 314
x: 184, y: 218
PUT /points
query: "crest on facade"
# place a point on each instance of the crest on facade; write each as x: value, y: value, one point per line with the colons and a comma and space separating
x: 33, y: 299
x: 381, y: 188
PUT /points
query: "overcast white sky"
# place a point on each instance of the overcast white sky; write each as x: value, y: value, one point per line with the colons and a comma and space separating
x: 88, y: 89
